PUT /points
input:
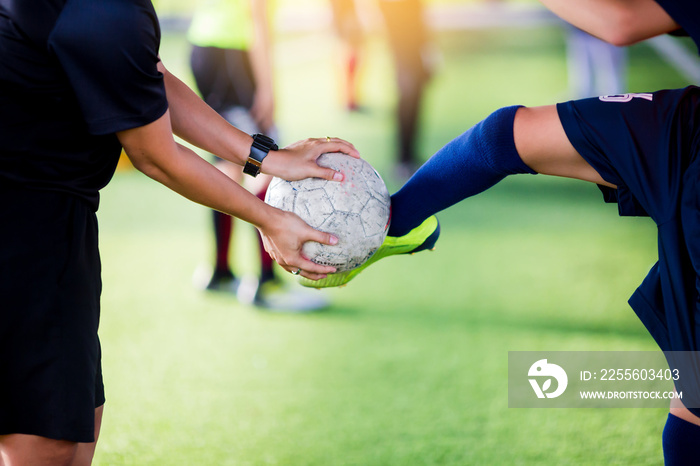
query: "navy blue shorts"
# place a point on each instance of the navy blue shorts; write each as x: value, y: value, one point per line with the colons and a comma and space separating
x: 50, y: 375
x: 647, y: 145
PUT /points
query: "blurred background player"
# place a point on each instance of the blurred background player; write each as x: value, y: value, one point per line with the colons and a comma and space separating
x: 409, y: 41
x: 349, y: 30
x: 232, y: 66
x: 412, y: 52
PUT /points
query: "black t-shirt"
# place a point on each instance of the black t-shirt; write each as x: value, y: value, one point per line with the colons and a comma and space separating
x: 687, y: 14
x: 72, y: 73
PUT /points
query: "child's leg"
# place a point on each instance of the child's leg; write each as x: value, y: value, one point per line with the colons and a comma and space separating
x: 509, y: 141
x: 542, y: 144
x: 221, y: 278
x: 466, y: 166
x: 223, y: 226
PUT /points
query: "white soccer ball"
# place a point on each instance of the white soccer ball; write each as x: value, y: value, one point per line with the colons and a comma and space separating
x: 355, y: 210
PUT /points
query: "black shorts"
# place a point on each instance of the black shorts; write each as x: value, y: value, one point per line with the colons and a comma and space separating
x: 50, y: 373
x: 224, y: 77
x: 649, y: 145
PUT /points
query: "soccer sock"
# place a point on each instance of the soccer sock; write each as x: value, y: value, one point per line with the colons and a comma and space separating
x: 223, y: 225
x: 267, y: 272
x: 680, y: 441
x: 466, y: 166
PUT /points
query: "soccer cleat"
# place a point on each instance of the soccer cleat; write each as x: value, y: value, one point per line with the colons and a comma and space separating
x: 423, y: 237
x: 279, y: 296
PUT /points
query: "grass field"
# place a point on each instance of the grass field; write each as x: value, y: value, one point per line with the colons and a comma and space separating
x: 409, y: 365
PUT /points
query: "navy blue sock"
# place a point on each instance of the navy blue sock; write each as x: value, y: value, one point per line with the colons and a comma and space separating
x: 681, y: 441
x: 466, y: 166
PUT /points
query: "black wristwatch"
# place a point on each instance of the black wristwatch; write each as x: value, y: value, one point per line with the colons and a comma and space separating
x: 262, y: 145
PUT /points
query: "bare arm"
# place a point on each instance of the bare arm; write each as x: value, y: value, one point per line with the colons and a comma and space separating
x: 195, y: 122
x: 200, y: 125
x: 153, y: 151
x: 619, y: 22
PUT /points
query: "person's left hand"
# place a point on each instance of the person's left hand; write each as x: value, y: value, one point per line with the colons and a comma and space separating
x: 298, y: 161
x: 283, y: 237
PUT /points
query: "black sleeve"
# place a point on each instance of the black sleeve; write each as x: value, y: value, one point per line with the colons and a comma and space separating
x: 109, y: 52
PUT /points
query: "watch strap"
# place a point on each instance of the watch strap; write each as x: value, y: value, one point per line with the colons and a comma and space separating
x: 262, y: 145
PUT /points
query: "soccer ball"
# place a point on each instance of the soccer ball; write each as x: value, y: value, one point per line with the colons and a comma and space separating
x: 355, y: 210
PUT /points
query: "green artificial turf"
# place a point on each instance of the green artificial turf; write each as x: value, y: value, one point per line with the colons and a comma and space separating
x: 409, y: 365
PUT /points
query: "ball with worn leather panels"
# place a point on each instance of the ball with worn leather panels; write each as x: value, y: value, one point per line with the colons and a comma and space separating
x: 355, y: 210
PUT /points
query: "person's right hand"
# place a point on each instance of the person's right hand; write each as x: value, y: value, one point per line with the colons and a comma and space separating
x: 299, y: 160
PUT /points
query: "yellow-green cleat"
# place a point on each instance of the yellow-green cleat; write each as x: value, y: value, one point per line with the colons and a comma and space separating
x: 423, y: 237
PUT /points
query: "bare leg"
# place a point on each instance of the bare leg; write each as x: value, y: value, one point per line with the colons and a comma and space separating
x: 543, y: 146
x: 21, y: 449
x: 257, y: 186
x: 223, y: 227
x: 511, y: 140
x: 86, y: 451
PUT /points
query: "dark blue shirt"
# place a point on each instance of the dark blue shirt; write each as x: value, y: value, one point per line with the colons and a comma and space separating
x: 648, y: 145
x: 72, y: 74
